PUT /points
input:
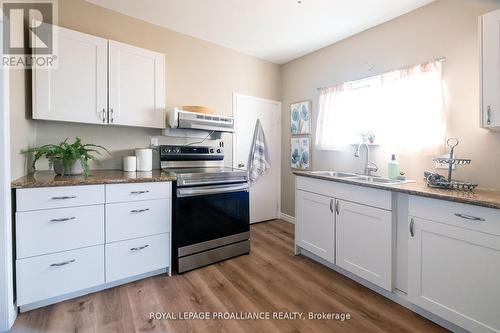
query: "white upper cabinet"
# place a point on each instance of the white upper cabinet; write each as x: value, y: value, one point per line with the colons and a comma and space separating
x: 136, y: 86
x: 490, y: 70
x: 99, y: 81
x: 76, y: 90
x: 315, y: 224
x: 364, y: 242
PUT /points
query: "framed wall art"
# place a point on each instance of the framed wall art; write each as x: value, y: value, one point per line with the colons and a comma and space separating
x: 300, y: 153
x: 300, y: 118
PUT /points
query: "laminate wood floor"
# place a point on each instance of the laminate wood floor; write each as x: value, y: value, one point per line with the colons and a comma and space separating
x: 270, y: 279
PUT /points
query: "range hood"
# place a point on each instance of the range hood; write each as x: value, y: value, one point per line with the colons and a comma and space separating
x: 180, y: 119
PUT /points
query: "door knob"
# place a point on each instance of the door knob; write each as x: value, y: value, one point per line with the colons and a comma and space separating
x: 241, y: 165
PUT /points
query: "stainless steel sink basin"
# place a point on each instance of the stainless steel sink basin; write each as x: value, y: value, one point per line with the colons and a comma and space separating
x: 379, y: 180
x: 360, y: 178
x: 335, y: 174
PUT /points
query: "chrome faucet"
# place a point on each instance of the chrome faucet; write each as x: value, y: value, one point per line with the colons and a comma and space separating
x: 369, y: 165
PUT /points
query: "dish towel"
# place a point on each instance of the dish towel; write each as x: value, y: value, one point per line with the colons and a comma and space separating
x: 258, y: 162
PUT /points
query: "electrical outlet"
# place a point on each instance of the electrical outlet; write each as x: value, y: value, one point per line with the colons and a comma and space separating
x: 154, y: 142
x: 444, y: 165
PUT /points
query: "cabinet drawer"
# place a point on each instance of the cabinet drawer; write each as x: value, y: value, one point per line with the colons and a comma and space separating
x: 54, y: 230
x: 137, y: 219
x: 137, y: 256
x: 58, y: 197
x: 137, y: 191
x: 462, y: 215
x: 52, y: 275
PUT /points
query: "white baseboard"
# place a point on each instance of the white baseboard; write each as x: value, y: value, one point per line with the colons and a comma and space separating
x: 287, y: 218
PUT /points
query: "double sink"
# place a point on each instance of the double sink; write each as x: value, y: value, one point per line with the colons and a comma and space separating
x: 360, y: 178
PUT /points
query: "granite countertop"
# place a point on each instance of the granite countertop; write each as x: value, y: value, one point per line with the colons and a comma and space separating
x: 479, y: 197
x: 96, y: 177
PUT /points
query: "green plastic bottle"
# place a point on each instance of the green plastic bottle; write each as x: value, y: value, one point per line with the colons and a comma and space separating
x: 393, y: 167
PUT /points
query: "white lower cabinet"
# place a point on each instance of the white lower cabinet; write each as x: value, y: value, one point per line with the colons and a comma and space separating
x: 52, y: 275
x: 137, y: 256
x: 455, y: 273
x: 364, y: 242
x: 315, y: 227
x: 61, y: 247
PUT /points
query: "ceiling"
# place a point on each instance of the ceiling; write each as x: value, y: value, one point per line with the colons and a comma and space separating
x: 274, y: 30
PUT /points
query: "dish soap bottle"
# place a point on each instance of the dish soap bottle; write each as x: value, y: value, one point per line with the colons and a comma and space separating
x: 393, y: 168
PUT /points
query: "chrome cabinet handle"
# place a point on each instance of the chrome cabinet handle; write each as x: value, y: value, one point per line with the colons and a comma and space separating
x: 64, y: 197
x: 488, y: 115
x: 139, y: 248
x: 112, y: 115
x: 337, y: 207
x: 331, y: 205
x: 64, y: 219
x: 139, y: 192
x: 412, y: 225
x: 64, y: 263
x: 103, y: 115
x: 470, y: 217
x: 139, y: 210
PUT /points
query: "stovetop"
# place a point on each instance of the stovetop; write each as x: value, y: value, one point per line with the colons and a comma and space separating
x: 208, y: 176
x: 208, y: 170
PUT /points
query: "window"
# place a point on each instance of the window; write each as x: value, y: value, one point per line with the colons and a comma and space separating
x: 403, y: 109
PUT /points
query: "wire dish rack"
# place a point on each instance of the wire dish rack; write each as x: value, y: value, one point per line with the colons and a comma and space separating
x: 438, y: 181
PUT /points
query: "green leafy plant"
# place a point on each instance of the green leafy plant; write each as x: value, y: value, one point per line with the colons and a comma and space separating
x: 68, y: 154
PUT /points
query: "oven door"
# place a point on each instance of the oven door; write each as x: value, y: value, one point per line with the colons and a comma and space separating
x: 207, y: 213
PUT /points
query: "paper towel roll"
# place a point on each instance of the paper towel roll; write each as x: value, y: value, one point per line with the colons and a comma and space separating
x: 129, y: 163
x: 144, y: 159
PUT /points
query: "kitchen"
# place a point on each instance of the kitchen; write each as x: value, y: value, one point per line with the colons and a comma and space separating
x: 370, y: 276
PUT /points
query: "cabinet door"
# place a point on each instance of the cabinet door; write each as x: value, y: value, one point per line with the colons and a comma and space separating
x: 315, y: 224
x: 136, y: 86
x: 454, y: 273
x: 364, y: 242
x: 490, y: 83
x: 76, y: 89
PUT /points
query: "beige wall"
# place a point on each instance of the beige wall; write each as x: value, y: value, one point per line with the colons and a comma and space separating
x: 197, y: 73
x: 444, y: 28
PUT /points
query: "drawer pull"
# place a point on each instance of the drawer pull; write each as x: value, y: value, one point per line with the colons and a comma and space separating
x: 64, y: 263
x: 139, y: 210
x: 64, y: 197
x: 139, y: 192
x: 470, y: 217
x: 412, y: 231
x: 65, y: 219
x: 139, y: 248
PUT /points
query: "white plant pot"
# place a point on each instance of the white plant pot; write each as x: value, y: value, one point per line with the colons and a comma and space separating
x: 76, y: 168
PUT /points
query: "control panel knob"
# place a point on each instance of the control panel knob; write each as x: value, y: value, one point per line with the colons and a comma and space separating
x: 218, y: 151
x: 211, y: 150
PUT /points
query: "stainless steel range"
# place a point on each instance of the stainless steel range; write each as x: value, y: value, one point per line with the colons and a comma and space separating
x: 210, y: 206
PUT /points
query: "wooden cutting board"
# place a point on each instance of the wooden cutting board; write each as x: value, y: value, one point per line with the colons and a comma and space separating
x: 198, y: 109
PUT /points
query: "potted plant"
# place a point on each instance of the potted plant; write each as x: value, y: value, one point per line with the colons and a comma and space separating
x: 67, y: 158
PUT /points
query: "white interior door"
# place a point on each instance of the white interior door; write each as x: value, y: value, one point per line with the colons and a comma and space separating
x: 265, y: 192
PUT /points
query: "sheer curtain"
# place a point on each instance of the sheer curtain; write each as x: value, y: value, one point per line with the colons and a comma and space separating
x: 403, y: 109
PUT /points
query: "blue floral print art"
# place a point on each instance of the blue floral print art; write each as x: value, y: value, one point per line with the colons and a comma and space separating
x: 299, y: 154
x: 300, y: 118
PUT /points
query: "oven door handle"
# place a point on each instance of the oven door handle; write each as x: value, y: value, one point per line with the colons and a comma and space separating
x: 207, y: 190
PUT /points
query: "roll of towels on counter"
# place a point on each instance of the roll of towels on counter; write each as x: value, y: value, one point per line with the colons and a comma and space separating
x: 258, y: 162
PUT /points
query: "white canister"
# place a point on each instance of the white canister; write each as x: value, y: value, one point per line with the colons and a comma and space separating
x: 144, y: 159
x: 129, y: 163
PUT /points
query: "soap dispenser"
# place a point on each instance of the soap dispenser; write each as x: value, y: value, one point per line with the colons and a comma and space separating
x: 393, y: 167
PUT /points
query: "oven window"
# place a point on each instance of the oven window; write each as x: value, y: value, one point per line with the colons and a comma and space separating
x: 206, y: 217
